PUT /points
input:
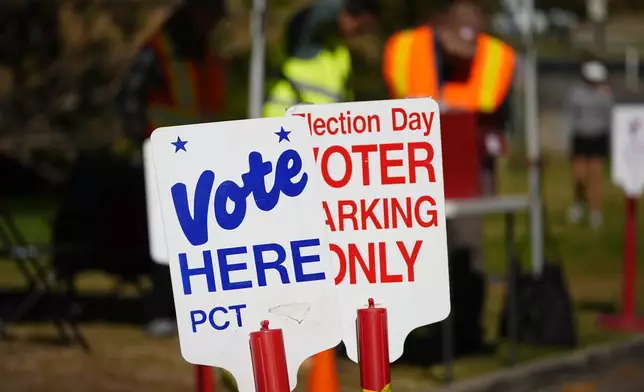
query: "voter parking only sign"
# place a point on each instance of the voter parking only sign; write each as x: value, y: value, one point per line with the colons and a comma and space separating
x: 246, y: 240
x: 384, y: 206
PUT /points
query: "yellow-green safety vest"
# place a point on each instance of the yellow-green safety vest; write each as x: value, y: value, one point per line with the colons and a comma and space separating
x: 321, y: 79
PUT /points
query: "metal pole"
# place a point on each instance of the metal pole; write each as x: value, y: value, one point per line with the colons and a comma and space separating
x: 632, y: 65
x: 448, y: 349
x: 533, y: 142
x: 599, y: 33
x: 256, y: 91
x: 512, y: 316
x: 596, y: 10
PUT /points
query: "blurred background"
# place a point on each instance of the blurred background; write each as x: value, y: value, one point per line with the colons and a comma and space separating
x: 62, y: 67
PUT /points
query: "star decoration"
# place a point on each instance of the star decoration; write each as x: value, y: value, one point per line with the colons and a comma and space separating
x: 179, y: 145
x: 283, y: 135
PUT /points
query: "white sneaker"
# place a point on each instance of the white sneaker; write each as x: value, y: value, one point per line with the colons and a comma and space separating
x: 575, y: 213
x: 595, y: 220
x: 161, y: 328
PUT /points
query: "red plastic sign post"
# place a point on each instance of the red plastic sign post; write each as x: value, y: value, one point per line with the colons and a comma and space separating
x: 461, y: 155
x: 628, y: 320
x: 269, y: 360
x: 373, y: 349
x: 203, y: 375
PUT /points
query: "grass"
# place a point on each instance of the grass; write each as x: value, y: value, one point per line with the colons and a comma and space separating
x: 125, y: 361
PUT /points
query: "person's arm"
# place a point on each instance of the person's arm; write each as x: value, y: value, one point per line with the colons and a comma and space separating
x: 496, y: 127
x: 498, y: 120
x: 132, y: 100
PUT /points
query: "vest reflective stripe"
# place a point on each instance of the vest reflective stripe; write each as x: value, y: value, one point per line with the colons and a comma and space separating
x: 319, y: 80
x: 410, y: 71
x: 494, y: 53
x: 396, y: 61
x: 497, y: 74
x: 423, y: 79
x: 407, y: 73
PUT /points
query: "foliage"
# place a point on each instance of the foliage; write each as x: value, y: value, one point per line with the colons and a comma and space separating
x: 60, y: 65
x: 62, y: 61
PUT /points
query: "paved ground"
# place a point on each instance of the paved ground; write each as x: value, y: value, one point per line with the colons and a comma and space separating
x: 623, y: 377
x: 616, y: 367
x: 123, y: 361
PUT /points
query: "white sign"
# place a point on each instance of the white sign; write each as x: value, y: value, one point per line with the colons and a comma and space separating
x: 384, y: 205
x: 628, y: 148
x: 156, y: 234
x: 246, y: 240
x: 596, y: 10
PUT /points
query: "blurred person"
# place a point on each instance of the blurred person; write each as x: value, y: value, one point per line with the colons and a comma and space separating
x: 318, y: 65
x: 465, y: 69
x: 453, y: 60
x: 588, y: 108
x: 175, y: 79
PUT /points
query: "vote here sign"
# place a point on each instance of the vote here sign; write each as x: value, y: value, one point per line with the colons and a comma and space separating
x: 384, y: 207
x: 246, y: 240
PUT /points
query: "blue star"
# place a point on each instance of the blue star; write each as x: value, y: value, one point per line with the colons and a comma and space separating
x: 283, y: 135
x: 179, y: 145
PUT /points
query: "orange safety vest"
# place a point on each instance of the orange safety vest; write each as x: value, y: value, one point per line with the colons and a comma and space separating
x: 192, y: 92
x: 410, y: 71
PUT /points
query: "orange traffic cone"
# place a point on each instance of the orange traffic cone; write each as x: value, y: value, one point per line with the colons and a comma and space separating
x: 323, y: 376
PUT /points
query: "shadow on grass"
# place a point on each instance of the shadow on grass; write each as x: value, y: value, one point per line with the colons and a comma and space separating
x: 597, y: 306
x: 87, y: 308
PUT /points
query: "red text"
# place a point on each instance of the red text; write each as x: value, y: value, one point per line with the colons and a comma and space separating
x: 344, y: 124
x: 380, y: 214
x: 413, y: 121
x: 415, y: 156
x: 371, y: 264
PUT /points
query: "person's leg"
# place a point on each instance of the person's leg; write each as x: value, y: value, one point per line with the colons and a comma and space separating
x: 579, y: 180
x: 594, y: 191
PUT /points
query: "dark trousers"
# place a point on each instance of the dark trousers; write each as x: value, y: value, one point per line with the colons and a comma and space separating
x: 160, y: 302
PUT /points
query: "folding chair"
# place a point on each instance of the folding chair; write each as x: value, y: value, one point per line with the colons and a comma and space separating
x: 41, y: 283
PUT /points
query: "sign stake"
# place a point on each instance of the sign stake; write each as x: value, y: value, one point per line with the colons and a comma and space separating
x: 269, y: 360
x: 373, y: 349
x: 628, y: 320
x: 203, y: 375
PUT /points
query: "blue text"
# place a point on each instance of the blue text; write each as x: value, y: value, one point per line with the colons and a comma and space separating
x: 267, y: 260
x: 195, y: 227
x: 220, y: 322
